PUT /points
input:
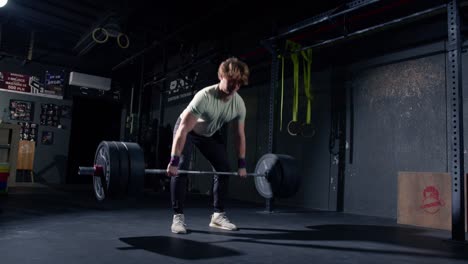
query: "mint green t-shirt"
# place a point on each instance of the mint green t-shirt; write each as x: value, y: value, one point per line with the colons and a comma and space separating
x: 212, y: 112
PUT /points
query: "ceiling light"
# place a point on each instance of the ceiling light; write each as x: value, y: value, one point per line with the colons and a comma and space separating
x: 3, y: 3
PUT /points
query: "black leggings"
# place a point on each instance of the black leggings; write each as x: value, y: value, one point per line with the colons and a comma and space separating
x: 214, y: 150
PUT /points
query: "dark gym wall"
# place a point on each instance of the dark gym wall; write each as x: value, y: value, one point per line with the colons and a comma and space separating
x: 312, y: 153
x: 94, y: 120
x: 50, y: 160
x: 398, y: 118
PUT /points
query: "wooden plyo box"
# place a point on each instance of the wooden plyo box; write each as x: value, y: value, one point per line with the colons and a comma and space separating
x: 425, y: 199
x: 26, y: 152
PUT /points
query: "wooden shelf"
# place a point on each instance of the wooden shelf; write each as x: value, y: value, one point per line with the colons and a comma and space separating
x: 9, y: 141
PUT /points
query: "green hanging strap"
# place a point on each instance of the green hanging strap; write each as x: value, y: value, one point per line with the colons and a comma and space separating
x: 307, y: 128
x: 282, y: 91
x: 295, y: 60
x: 293, y: 126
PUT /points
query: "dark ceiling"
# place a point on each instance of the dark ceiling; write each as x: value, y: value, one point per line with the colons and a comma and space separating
x: 59, y: 32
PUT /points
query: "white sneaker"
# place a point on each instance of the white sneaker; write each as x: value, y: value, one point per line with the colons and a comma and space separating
x: 178, y: 224
x: 220, y: 220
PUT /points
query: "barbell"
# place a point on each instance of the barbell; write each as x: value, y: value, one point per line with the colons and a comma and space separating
x: 119, y: 170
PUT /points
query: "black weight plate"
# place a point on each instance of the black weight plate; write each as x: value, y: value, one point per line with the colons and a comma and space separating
x: 107, y: 156
x: 124, y: 168
x: 265, y: 185
x: 291, y: 178
x: 282, y: 178
x: 136, y: 179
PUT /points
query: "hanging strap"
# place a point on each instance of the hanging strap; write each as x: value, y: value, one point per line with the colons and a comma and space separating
x: 295, y: 110
x: 293, y: 48
x: 307, y: 55
x: 282, y: 91
x: 307, y: 128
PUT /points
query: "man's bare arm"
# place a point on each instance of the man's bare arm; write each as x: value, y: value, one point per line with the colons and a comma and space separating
x: 187, y: 123
x: 241, y: 148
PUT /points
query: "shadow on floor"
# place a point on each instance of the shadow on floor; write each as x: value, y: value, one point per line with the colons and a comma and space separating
x: 24, y: 203
x: 178, y: 247
x: 405, y: 241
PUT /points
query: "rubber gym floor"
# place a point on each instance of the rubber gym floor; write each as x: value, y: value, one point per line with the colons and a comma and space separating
x: 47, y: 225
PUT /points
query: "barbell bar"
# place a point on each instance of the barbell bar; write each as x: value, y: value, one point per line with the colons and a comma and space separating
x: 97, y: 170
x: 119, y: 170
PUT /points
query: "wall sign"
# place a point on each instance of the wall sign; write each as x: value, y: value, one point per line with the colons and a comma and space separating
x: 15, y: 82
x: 53, y: 86
x: 182, y: 89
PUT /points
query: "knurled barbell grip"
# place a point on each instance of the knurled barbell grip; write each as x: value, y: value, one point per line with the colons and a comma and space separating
x: 160, y: 171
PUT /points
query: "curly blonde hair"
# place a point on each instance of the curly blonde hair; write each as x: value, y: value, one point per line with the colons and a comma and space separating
x: 233, y: 68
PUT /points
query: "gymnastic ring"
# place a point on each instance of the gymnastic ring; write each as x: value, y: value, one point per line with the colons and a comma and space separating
x: 104, y: 31
x: 126, y: 39
x: 307, y: 130
x: 293, y: 128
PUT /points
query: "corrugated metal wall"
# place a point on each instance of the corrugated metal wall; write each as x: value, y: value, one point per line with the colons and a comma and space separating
x: 398, y: 118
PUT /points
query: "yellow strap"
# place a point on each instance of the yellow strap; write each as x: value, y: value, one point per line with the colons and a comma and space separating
x: 294, y: 48
x: 295, y: 60
x: 282, y: 91
x: 307, y: 55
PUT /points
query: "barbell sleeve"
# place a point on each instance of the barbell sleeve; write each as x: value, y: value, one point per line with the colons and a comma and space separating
x: 86, y: 170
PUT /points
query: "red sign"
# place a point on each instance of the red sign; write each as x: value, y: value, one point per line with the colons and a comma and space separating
x: 15, y: 82
x: 432, y: 201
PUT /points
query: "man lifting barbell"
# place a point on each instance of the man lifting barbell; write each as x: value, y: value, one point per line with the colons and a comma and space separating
x: 199, y: 125
x: 119, y: 167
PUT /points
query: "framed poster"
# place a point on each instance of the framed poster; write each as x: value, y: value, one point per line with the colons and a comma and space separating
x: 28, y: 131
x: 65, y: 111
x: 47, y: 138
x: 21, y: 110
x: 50, y: 115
